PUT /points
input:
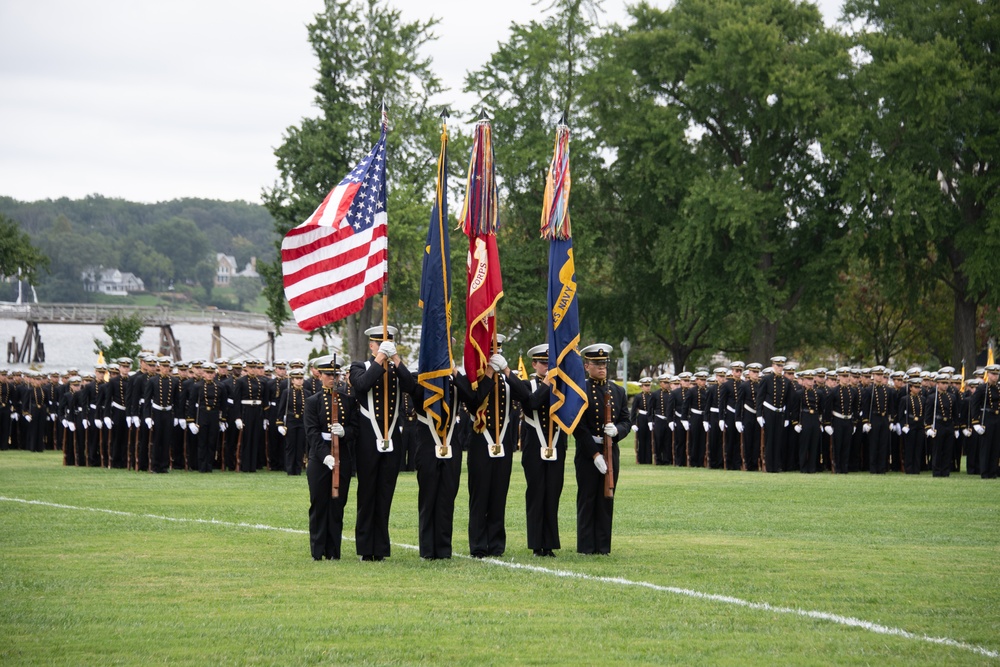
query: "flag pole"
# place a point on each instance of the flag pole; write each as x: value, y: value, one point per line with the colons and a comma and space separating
x: 385, y: 319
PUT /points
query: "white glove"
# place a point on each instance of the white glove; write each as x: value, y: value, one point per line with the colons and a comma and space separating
x: 760, y: 420
x: 672, y: 426
x: 650, y: 425
x: 329, y: 461
x: 897, y: 429
x: 498, y: 363
x: 828, y: 430
x: 798, y: 428
x: 610, y: 430
x: 601, y: 464
x: 956, y: 434
x: 739, y: 427
x: 266, y: 422
x: 686, y: 424
x: 65, y: 423
x: 786, y: 423
x: 52, y: 417
x: 388, y: 348
x: 967, y: 432
x: 239, y: 424
x: 128, y: 422
x: 223, y: 426
x: 931, y: 433
x: 84, y: 422
x: 722, y: 424
x: 866, y: 428
x: 72, y: 427
x: 337, y: 429
x: 706, y: 426
x: 98, y: 424
x: 635, y: 428
x: 177, y: 421
x: 282, y: 430
x: 854, y: 429
x: 906, y: 429
x: 27, y: 417
x: 149, y: 422
x: 107, y: 422
x: 194, y: 428
x: 13, y: 416
x: 979, y: 428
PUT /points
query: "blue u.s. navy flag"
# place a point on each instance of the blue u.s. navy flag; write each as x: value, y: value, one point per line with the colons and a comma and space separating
x: 435, y: 362
x: 569, y: 391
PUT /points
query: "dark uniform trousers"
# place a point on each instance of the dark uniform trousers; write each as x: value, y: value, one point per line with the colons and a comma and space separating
x: 489, y: 477
x: 326, y: 513
x: 594, y: 512
x: 809, y: 442
x: 878, y: 445
x: 437, y: 482
x: 545, y: 478
x: 377, y: 469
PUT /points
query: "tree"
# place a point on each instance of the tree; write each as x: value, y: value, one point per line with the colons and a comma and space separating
x: 758, y: 85
x: 18, y: 257
x: 924, y: 178
x: 245, y: 289
x: 124, y: 332
x: 367, y: 55
x: 184, y: 244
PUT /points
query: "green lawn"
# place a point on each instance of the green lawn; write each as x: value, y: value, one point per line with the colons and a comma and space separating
x: 913, y: 554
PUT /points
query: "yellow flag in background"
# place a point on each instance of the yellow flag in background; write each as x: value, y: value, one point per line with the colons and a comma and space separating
x: 522, y: 371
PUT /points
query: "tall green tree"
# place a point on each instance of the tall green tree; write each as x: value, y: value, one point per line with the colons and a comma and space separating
x: 924, y: 179
x: 758, y: 85
x: 367, y: 55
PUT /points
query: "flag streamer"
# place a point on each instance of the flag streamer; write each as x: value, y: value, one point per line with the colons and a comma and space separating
x: 436, y: 359
x: 485, y: 283
x: 569, y: 393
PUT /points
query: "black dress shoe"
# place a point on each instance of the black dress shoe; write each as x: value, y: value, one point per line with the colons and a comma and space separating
x: 539, y: 552
x: 367, y: 557
x: 550, y: 553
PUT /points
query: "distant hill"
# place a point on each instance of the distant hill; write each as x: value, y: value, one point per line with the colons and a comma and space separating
x: 163, y: 243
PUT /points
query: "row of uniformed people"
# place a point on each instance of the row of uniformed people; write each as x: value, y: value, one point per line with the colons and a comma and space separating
x: 848, y: 419
x: 480, y: 421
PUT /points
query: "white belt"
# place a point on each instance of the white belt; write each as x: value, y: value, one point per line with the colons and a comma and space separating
x: 661, y: 416
x: 714, y: 409
x: 598, y: 439
x: 731, y: 408
x: 161, y: 407
x: 643, y: 412
x: 327, y: 436
x: 840, y: 416
x: 251, y: 402
x: 115, y: 405
x: 771, y: 407
x: 696, y: 412
x: 749, y: 409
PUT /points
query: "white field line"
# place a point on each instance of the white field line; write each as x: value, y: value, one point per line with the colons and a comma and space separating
x: 848, y: 621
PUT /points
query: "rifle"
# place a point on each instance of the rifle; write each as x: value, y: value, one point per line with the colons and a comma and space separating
x: 335, y: 445
x: 609, y: 476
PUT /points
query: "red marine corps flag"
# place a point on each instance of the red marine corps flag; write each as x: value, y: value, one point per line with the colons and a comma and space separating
x: 479, y: 221
x: 335, y: 260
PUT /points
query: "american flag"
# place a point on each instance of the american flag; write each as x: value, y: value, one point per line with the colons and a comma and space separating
x: 337, y: 258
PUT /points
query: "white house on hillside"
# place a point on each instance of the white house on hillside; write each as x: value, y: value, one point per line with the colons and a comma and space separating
x: 228, y: 269
x: 111, y: 281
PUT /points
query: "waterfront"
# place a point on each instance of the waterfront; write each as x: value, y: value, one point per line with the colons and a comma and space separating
x: 72, y: 345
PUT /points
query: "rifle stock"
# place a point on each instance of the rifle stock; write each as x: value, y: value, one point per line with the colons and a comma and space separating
x: 609, y: 476
x: 335, y: 446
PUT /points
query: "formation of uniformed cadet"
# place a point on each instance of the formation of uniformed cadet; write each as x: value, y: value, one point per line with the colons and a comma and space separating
x: 641, y: 415
x: 490, y: 454
x: 251, y: 399
x: 206, y: 415
x: 329, y: 414
x: 663, y: 423
x: 594, y: 510
x: 377, y: 383
x: 289, y: 419
x: 697, y: 423
x: 543, y: 457
x: 985, y: 419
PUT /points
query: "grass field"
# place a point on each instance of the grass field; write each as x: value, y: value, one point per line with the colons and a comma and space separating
x: 111, y: 567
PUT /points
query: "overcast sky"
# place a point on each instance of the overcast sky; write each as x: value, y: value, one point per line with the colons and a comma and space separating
x: 188, y: 98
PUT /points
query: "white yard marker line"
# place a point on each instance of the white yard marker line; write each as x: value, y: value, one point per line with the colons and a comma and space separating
x: 848, y: 621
